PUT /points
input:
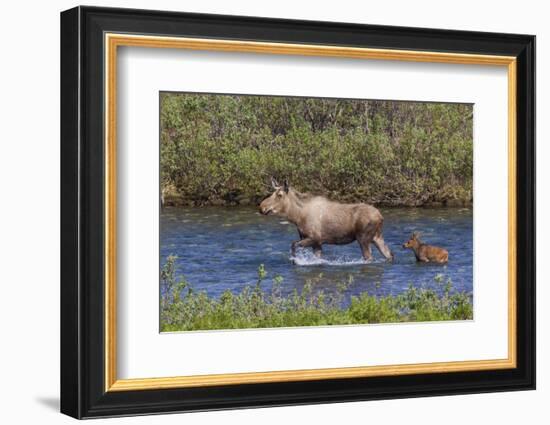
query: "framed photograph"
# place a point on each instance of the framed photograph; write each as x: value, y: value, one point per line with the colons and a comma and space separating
x: 261, y: 212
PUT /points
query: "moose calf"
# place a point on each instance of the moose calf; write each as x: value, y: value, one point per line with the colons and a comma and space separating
x: 424, y: 252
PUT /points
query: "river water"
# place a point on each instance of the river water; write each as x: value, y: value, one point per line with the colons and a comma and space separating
x: 220, y: 248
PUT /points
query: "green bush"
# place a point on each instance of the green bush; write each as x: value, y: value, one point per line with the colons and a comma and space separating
x: 221, y: 149
x: 184, y: 309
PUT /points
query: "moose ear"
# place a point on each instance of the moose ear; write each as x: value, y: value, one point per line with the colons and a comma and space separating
x: 274, y: 183
x: 286, y: 186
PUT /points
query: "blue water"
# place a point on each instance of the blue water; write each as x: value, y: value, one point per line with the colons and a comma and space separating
x: 220, y: 248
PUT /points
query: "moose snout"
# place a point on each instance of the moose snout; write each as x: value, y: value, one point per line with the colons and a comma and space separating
x: 264, y: 210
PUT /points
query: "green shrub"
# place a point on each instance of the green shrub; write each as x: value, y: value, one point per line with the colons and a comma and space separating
x: 184, y: 309
x: 219, y: 149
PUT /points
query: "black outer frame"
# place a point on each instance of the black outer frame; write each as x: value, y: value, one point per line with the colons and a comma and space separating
x: 82, y: 212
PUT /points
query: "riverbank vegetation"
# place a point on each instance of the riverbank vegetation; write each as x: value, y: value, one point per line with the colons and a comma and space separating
x: 184, y: 309
x: 222, y: 150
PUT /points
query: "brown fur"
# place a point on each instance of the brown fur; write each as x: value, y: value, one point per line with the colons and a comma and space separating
x: 321, y: 221
x: 426, y: 253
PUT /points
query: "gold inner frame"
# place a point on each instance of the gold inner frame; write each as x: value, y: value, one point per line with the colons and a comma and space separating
x: 113, y: 41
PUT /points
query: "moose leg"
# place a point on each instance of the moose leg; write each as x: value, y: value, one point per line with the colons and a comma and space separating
x: 364, y: 242
x: 382, y: 247
x: 365, y: 239
x: 366, y: 250
x: 303, y: 243
x: 293, y: 248
x: 295, y: 244
x: 317, y: 250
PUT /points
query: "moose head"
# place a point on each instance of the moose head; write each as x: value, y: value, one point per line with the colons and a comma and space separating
x: 278, y: 202
x: 413, y: 242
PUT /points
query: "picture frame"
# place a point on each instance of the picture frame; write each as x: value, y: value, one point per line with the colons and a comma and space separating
x: 90, y: 39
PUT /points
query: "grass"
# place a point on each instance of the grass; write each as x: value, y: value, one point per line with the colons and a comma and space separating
x: 185, y: 309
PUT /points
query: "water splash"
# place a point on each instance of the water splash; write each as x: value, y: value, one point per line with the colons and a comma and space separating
x: 308, y: 258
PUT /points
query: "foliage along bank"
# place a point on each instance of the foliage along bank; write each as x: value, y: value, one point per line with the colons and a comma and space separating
x: 185, y: 309
x: 222, y: 150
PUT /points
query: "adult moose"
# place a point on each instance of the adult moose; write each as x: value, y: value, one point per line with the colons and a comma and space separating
x: 321, y: 221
